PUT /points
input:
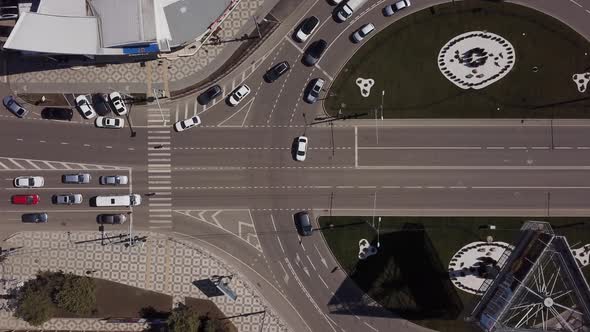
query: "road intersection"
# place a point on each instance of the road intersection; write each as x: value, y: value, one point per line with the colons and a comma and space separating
x: 232, y: 185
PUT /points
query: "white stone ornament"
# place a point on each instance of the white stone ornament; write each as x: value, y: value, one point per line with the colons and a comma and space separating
x: 365, y: 84
x: 476, y: 59
x: 581, y: 81
x: 582, y: 255
x: 366, y: 249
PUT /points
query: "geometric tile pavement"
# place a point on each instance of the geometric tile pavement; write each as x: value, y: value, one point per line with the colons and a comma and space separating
x: 122, y: 73
x: 163, y: 264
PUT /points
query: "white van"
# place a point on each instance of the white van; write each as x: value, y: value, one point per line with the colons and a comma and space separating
x: 120, y: 200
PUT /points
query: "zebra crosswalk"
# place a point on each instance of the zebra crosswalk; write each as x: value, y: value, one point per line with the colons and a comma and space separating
x: 159, y: 171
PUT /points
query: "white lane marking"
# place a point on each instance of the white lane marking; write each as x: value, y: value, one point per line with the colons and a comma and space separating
x: 286, y: 276
x: 310, y: 262
x: 15, y: 163
x: 356, y: 147
x: 281, y: 244
x: 158, y: 131
x: 33, y: 164
x: 325, y: 285
x: 324, y: 72
x: 372, y: 328
x: 293, y: 43
x: 574, y: 2
x: 304, y: 290
x: 273, y: 222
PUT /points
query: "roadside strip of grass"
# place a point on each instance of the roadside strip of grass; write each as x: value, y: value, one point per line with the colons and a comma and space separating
x: 409, y: 274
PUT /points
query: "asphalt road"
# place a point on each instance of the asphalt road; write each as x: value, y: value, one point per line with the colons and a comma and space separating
x: 232, y: 184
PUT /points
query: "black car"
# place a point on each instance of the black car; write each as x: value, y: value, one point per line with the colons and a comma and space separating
x: 303, y: 223
x: 113, y: 219
x: 34, y: 217
x: 276, y: 71
x: 314, y: 52
x: 57, y: 113
x: 209, y: 94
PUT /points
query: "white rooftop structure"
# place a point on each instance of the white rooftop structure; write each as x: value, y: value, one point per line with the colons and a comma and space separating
x: 107, y: 27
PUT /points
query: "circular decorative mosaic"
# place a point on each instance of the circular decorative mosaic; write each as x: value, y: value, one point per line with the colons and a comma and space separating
x: 476, y: 59
x: 476, y: 262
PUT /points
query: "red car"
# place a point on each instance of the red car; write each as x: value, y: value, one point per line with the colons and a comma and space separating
x: 25, y: 199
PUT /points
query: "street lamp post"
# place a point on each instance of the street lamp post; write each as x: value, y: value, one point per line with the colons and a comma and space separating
x: 378, y: 227
x: 382, y: 96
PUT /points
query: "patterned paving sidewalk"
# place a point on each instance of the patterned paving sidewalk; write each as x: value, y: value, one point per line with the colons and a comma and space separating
x: 158, y: 71
x: 162, y: 264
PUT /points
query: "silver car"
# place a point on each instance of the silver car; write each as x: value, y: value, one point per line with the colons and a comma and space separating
x: 14, y: 107
x: 113, y: 180
x: 67, y: 199
x: 80, y: 178
x: 313, y: 90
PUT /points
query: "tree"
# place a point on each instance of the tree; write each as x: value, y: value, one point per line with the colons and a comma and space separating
x: 183, y: 319
x: 211, y: 325
x: 77, y: 295
x: 34, y: 303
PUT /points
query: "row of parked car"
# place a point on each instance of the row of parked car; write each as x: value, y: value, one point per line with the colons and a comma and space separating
x: 65, y: 199
x: 107, y: 218
x: 61, y: 199
x: 83, y: 105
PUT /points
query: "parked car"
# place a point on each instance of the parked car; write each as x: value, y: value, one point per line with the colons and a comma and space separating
x: 303, y: 223
x: 85, y: 107
x: 118, y: 104
x: 238, y: 95
x: 313, y: 90
x: 113, y: 180
x: 29, y: 182
x: 314, y: 52
x: 112, y: 219
x: 30, y: 199
x: 79, y: 178
x: 276, y: 71
x: 8, y: 13
x: 362, y: 32
x: 34, y: 217
x: 306, y: 28
x: 14, y: 107
x: 57, y: 113
x: 109, y: 122
x: 187, y: 124
x: 392, y: 9
x: 209, y: 94
x: 67, y: 199
x: 301, y: 151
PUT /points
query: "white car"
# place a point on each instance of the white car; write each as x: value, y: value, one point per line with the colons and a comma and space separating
x: 108, y: 122
x: 240, y: 93
x: 29, y: 182
x: 188, y: 123
x: 301, y: 152
x: 117, y: 102
x: 392, y: 9
x: 361, y: 33
x: 85, y: 107
x: 113, y: 180
x: 306, y: 28
x: 336, y: 2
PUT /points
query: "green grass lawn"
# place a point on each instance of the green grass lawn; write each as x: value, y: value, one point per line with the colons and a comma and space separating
x: 402, y: 61
x: 409, y: 274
